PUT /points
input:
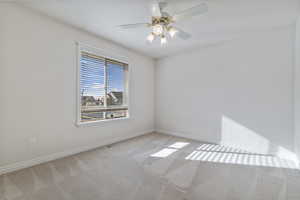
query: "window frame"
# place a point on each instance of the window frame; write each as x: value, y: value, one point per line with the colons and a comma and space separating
x: 106, y: 54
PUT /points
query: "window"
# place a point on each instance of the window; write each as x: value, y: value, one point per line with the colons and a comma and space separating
x: 103, y: 88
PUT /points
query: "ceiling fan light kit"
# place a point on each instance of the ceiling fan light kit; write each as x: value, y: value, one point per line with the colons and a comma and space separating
x: 172, y: 31
x: 162, y: 22
x: 163, y: 40
x: 161, y: 28
x: 151, y: 37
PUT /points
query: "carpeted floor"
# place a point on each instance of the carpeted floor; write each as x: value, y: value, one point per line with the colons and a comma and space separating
x: 157, y: 167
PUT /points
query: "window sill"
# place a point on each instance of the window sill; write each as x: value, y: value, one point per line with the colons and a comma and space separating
x: 95, y: 123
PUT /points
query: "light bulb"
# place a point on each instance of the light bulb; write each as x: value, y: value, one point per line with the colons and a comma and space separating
x: 172, y: 31
x: 150, y: 37
x: 163, y: 40
x: 158, y: 29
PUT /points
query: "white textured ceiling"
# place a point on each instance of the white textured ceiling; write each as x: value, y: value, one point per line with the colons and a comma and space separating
x: 225, y: 20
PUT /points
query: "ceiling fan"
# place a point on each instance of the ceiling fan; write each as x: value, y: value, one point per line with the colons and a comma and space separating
x: 162, y: 23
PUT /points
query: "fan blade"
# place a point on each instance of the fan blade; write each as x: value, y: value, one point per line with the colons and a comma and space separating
x: 197, y: 10
x: 182, y: 34
x: 162, y: 4
x: 155, y: 8
x: 137, y: 25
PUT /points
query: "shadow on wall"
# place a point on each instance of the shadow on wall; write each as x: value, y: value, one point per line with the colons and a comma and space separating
x: 236, y: 135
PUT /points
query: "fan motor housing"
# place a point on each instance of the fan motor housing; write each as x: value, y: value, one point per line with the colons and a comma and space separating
x: 161, y: 20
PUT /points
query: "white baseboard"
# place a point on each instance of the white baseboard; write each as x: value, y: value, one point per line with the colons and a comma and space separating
x: 183, y: 135
x: 46, y: 158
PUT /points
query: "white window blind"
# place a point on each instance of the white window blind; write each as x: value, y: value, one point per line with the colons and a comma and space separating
x: 103, y: 88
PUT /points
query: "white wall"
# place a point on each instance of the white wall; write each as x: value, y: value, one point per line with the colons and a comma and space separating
x: 238, y: 93
x: 38, y: 89
x: 297, y: 88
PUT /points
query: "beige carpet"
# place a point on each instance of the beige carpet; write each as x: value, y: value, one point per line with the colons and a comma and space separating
x: 157, y: 167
